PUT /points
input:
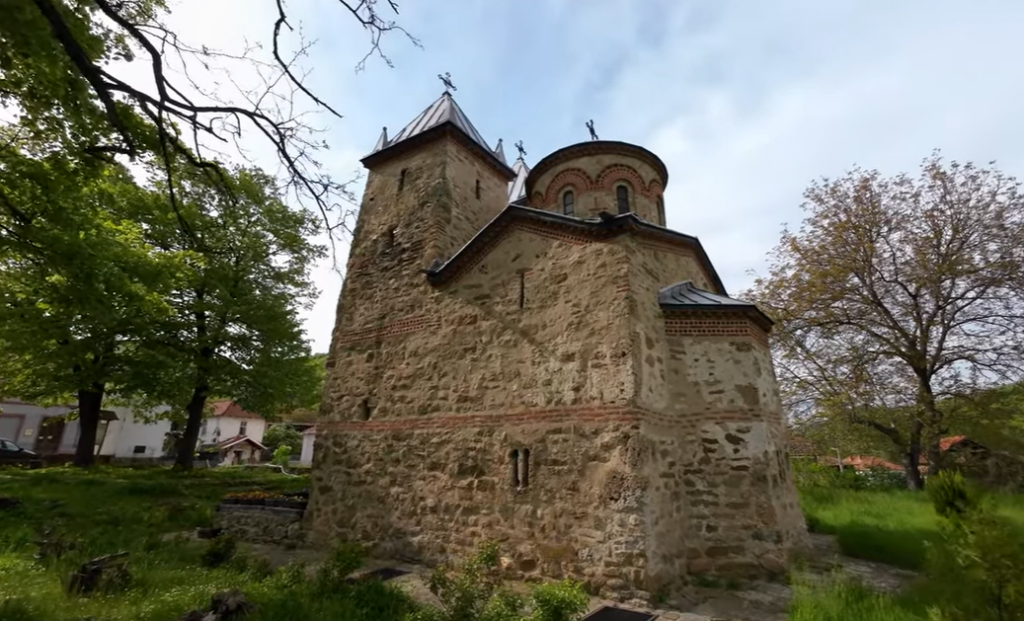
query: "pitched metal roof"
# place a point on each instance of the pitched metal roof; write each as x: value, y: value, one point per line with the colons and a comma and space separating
x: 517, y: 188
x: 444, y: 110
x: 685, y: 294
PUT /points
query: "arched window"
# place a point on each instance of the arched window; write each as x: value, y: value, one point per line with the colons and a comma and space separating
x: 568, y: 203
x: 661, y: 210
x: 622, y: 198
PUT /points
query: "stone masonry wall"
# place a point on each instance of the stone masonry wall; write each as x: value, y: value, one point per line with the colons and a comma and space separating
x: 654, y: 449
x: 261, y: 524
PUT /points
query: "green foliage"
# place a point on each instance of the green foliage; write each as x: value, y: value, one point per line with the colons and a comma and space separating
x: 950, y: 495
x: 344, y: 559
x: 283, y: 435
x: 976, y: 572
x: 808, y: 474
x: 558, y: 601
x: 843, y: 600
x: 474, y: 592
x: 281, y: 455
x: 219, y: 551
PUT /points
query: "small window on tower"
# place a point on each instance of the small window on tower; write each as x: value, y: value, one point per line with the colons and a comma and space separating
x: 513, y: 458
x: 401, y: 180
x: 478, y: 188
x: 661, y: 210
x: 568, y: 203
x: 622, y: 198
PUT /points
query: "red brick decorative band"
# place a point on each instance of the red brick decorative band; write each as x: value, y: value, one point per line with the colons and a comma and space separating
x: 412, y: 324
x: 704, y: 324
x: 594, y: 414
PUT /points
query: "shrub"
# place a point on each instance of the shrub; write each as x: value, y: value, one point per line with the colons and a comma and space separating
x: 343, y: 560
x: 558, y: 601
x: 474, y: 592
x: 977, y: 569
x: 219, y: 551
x: 282, y: 454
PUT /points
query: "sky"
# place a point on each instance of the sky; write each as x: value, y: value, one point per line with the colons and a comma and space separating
x: 747, y: 102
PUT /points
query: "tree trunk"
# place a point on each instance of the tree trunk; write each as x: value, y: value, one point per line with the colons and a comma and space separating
x: 912, y: 458
x: 189, y: 438
x: 89, y: 402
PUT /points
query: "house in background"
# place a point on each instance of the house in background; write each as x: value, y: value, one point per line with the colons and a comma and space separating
x: 47, y: 430
x: 228, y: 420
x: 308, y: 439
x: 124, y: 435
x: 232, y: 435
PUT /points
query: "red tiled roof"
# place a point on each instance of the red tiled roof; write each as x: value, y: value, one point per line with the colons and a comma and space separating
x: 231, y: 409
x: 947, y: 443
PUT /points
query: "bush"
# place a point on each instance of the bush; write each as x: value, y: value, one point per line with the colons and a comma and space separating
x: 343, y: 560
x: 809, y: 475
x: 282, y: 435
x: 977, y: 570
x: 474, y: 592
x: 219, y: 551
x: 282, y: 455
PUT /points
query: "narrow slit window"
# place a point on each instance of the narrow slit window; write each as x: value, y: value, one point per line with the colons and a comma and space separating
x: 622, y: 198
x: 478, y: 188
x: 364, y: 409
x: 524, y: 468
x: 242, y: 427
x: 522, y: 290
x: 661, y: 210
x: 401, y: 180
x: 513, y: 458
x: 568, y: 203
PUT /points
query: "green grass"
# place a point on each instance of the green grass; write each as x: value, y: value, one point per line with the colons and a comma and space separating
x: 113, y: 509
x: 891, y: 526
x: 840, y: 600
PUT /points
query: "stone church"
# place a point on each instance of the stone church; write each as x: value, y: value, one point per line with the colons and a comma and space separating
x: 532, y: 356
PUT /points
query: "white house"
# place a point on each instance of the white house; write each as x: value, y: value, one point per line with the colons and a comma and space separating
x: 124, y: 435
x: 308, y: 438
x: 228, y: 421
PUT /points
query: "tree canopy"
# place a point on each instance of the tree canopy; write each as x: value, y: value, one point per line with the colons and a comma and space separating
x: 897, y: 295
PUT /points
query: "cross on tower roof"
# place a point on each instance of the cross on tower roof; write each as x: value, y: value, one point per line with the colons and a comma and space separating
x: 447, y: 80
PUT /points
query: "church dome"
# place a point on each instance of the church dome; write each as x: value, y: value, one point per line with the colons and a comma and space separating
x: 585, y: 179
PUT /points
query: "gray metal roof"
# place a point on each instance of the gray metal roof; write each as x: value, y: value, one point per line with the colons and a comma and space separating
x: 685, y: 295
x: 444, y: 110
x: 517, y: 188
x: 499, y: 152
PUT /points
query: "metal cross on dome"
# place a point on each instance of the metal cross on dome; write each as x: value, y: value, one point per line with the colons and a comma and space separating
x: 522, y: 149
x: 447, y: 80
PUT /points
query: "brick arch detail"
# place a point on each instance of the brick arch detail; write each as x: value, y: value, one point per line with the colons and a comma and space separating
x: 620, y: 172
x: 654, y: 188
x: 576, y: 177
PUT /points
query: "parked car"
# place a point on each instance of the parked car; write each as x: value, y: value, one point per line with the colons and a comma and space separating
x: 12, y: 454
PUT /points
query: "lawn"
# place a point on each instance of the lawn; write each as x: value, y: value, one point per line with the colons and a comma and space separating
x: 891, y: 526
x: 109, y: 510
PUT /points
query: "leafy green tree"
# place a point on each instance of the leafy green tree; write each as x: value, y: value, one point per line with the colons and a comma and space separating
x: 79, y: 285
x: 235, y: 327
x: 896, y: 295
x: 283, y: 435
x: 60, y: 69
